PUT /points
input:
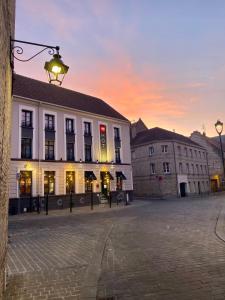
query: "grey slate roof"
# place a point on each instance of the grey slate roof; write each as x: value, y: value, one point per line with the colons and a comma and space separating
x: 159, y: 134
x: 45, y: 92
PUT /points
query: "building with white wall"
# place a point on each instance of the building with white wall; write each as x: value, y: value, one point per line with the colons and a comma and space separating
x: 66, y: 142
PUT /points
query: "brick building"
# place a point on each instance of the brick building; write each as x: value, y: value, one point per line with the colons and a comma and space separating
x: 66, y: 142
x: 7, y: 18
x: 212, y: 147
x: 168, y: 164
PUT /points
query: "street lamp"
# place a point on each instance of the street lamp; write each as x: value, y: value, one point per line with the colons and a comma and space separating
x: 55, y: 68
x: 219, y: 130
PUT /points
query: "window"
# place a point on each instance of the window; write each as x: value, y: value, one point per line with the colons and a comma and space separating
x: 49, y: 183
x: 191, y: 153
x: 193, y: 168
x: 152, y: 168
x: 88, y: 156
x: 197, y: 169
x: 69, y: 126
x: 117, y: 155
x: 180, y: 168
x: 187, y: 168
x: 26, y: 118
x: 179, y: 150
x: 186, y: 151
x: 195, y: 153
x: 201, y: 169
x: 200, y: 154
x: 87, y: 128
x: 49, y: 122
x: 49, y: 150
x: 70, y: 151
x: 166, y: 167
x: 26, y: 148
x: 119, y: 182
x: 151, y: 150
x: 88, y: 183
x: 25, y: 183
x: 164, y: 148
x: 203, y: 154
x: 205, y: 169
x: 70, y: 182
x: 116, y: 133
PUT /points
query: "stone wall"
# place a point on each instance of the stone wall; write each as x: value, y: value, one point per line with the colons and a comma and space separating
x: 194, y: 171
x: 7, y: 17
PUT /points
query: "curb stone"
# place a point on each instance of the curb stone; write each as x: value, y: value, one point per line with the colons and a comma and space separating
x: 93, y: 271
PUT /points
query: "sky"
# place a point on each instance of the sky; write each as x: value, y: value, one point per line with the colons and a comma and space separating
x: 159, y: 60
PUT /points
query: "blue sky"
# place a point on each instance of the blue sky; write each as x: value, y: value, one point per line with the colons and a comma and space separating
x: 163, y: 61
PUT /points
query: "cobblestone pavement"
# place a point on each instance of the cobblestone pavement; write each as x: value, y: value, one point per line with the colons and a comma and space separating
x: 165, y: 249
x: 169, y: 251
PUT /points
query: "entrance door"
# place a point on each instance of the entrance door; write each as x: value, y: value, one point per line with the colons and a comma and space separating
x: 199, y: 188
x: 214, y: 185
x: 25, y: 184
x: 105, y: 184
x: 182, y: 189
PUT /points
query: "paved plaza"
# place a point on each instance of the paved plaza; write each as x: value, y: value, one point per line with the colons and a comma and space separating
x: 161, y: 249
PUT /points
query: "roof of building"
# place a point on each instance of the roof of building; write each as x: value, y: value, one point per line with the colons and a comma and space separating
x: 49, y: 93
x: 160, y: 134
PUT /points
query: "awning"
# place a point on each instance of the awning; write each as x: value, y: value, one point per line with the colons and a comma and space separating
x: 90, y: 175
x: 121, y: 175
x: 110, y: 175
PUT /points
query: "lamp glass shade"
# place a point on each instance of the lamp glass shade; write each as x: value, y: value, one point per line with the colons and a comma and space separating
x: 56, y: 69
x: 219, y: 127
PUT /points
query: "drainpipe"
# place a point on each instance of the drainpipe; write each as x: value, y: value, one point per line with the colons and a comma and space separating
x: 174, y: 157
x: 207, y: 162
x: 39, y: 104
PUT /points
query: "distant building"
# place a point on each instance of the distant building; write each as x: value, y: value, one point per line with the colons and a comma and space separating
x: 168, y: 164
x: 66, y: 142
x: 212, y: 147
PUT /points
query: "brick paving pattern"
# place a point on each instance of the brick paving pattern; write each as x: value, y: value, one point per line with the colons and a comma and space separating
x: 170, y: 251
x: 158, y: 250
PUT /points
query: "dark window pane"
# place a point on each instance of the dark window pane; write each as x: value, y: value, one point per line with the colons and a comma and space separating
x: 117, y: 155
x: 88, y: 156
x: 70, y: 151
x: 26, y: 148
x: 116, y: 133
x: 49, y: 122
x: 69, y: 126
x: 26, y: 118
x: 87, y: 128
x: 49, y: 150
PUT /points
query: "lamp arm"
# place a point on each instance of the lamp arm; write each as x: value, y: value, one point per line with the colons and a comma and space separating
x: 19, y: 49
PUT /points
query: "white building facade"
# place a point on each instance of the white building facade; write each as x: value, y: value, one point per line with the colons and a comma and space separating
x: 61, y: 145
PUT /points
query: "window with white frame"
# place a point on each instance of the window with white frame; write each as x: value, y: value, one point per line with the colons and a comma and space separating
x: 164, y: 148
x: 166, y: 167
x: 151, y: 150
x: 152, y: 168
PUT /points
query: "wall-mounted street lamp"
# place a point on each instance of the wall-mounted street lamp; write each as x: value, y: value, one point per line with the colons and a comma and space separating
x: 219, y: 130
x: 55, y: 68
